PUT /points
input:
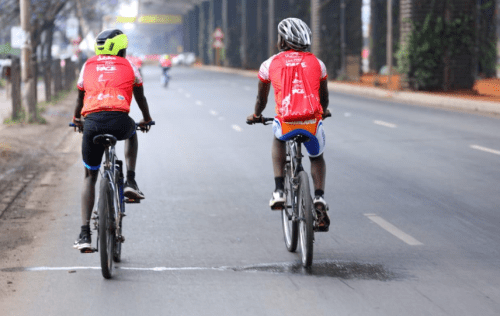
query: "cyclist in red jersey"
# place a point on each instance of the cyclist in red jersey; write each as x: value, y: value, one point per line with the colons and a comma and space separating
x: 106, y: 84
x: 294, y: 38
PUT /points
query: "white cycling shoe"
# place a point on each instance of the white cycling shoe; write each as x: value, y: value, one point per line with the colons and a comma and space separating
x: 278, y: 200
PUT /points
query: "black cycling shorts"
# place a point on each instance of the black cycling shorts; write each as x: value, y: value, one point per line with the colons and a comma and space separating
x: 118, y: 124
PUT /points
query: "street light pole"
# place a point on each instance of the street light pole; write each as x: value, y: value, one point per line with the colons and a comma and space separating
x: 389, y: 43
x: 342, y: 38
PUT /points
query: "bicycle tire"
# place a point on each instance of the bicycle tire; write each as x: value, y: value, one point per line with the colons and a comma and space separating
x: 106, y: 228
x: 306, y: 220
x: 117, y: 254
x: 290, y: 227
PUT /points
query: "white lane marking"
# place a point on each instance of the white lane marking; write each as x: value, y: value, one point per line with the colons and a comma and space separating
x: 188, y: 95
x: 198, y: 102
x: 347, y: 114
x: 213, y: 112
x: 382, y: 123
x: 485, y: 149
x: 247, y: 88
x: 158, y: 269
x: 237, y: 128
x: 393, y: 230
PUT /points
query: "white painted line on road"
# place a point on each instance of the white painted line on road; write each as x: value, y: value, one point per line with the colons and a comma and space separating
x: 393, y: 230
x: 382, y: 123
x: 158, y: 269
x: 485, y: 149
x: 237, y: 128
x: 198, y: 102
x: 347, y: 114
x: 213, y: 112
x: 187, y: 95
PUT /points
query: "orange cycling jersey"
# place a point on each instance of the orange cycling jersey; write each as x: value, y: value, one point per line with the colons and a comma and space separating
x: 108, y: 82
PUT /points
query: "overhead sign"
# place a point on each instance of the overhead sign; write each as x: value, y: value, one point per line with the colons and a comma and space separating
x: 161, y: 19
x: 218, y: 34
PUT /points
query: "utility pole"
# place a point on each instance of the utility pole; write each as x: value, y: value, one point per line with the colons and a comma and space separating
x: 272, y: 29
x: 342, y: 38
x: 389, y: 43
x: 26, y: 62
x: 315, y: 27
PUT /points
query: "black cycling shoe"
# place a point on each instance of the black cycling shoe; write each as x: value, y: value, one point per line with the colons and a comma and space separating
x: 84, y: 240
x: 131, y: 191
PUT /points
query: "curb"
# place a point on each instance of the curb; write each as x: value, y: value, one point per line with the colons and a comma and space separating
x: 415, y: 98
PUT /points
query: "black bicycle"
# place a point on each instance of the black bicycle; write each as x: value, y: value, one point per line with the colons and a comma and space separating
x: 299, y: 217
x: 110, y: 205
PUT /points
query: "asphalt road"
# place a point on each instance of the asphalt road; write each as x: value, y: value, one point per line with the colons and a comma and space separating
x: 414, y: 203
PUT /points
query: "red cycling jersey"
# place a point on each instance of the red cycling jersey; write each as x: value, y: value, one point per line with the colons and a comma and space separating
x: 108, y: 82
x: 271, y: 71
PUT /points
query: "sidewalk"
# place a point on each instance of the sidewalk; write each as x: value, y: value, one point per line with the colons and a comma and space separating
x: 6, y: 104
x: 450, y: 101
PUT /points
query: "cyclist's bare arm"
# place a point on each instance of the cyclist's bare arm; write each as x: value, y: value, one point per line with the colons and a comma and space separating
x: 78, y: 110
x: 261, y: 102
x: 263, y: 94
x: 323, y: 96
x: 140, y: 98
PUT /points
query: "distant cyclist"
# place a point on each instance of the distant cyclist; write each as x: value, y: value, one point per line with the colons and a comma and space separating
x: 294, y: 38
x: 165, y: 64
x: 106, y: 84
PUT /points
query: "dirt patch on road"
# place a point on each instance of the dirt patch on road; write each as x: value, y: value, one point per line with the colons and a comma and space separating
x: 33, y: 159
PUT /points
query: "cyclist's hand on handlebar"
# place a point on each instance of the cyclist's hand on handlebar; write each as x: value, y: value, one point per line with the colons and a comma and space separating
x: 252, y: 119
x: 143, y: 125
x: 78, y: 124
x: 327, y: 113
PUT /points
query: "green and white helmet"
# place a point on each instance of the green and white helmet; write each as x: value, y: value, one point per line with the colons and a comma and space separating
x: 111, y: 42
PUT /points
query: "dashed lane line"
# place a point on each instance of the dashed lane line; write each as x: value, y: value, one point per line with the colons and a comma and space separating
x: 393, y: 230
x: 382, y: 123
x: 198, y: 102
x: 485, y: 149
x: 213, y: 113
x: 237, y: 128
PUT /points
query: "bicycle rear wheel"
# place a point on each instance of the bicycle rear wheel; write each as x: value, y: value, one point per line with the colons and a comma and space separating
x: 106, y: 228
x: 306, y: 220
x: 117, y: 254
x: 290, y: 226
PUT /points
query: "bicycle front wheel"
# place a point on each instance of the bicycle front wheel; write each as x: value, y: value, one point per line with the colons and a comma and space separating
x: 306, y: 220
x: 106, y: 228
x: 290, y: 224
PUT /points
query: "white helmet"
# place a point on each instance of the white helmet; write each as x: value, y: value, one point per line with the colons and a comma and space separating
x: 296, y: 33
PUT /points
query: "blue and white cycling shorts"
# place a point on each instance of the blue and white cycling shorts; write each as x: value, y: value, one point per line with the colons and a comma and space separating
x: 316, y: 144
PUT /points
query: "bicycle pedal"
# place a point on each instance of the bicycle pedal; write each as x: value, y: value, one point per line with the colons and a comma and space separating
x: 88, y: 250
x: 121, y: 239
x: 132, y: 201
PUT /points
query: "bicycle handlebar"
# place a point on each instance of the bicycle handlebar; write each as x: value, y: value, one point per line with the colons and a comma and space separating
x: 269, y: 119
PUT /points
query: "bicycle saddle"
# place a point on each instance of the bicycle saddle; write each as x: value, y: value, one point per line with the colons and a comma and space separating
x: 105, y: 140
x: 301, y: 139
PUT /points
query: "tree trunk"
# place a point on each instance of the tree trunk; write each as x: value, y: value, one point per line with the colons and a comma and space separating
x: 47, y: 73
x: 15, y: 82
